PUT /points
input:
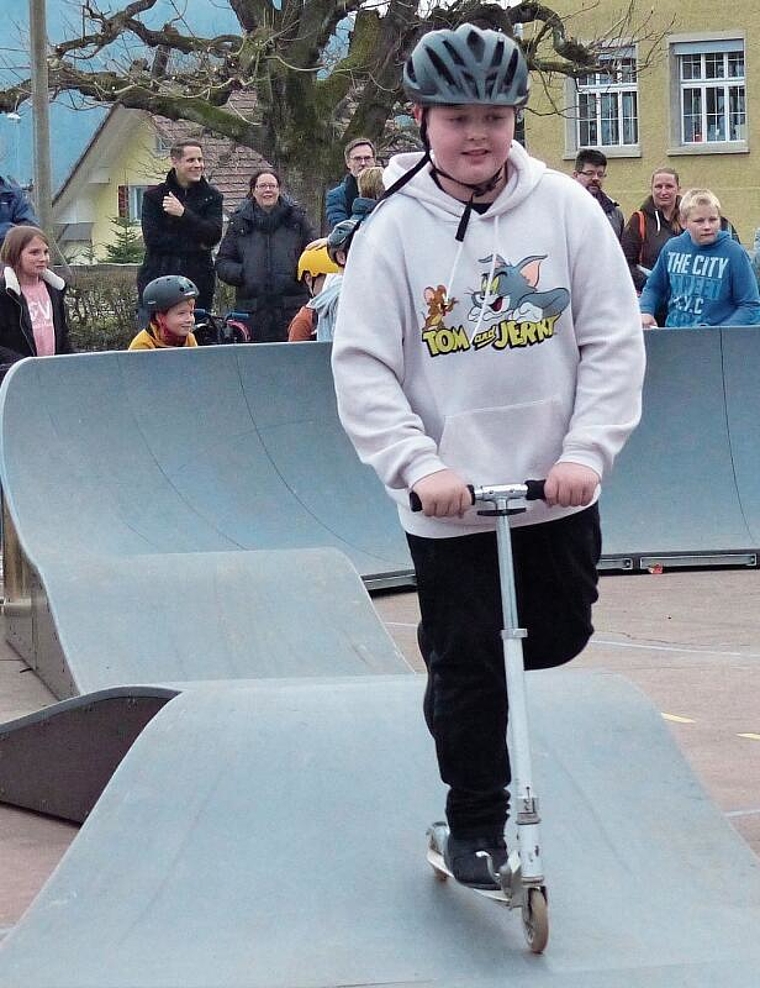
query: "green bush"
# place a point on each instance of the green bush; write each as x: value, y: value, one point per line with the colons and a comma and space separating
x: 127, y: 246
x: 101, y: 302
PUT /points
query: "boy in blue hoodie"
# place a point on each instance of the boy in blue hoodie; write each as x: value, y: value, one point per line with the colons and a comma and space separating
x: 703, y: 276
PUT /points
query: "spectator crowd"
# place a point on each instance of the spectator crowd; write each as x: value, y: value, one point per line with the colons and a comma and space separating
x: 684, y: 256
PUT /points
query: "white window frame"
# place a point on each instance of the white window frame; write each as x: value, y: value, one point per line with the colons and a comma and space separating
x: 707, y: 78
x: 609, y: 92
x: 134, y: 201
x: 705, y: 42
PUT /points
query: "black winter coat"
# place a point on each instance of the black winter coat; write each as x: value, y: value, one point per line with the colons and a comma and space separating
x: 657, y: 231
x: 16, y: 333
x: 181, y: 244
x: 259, y: 256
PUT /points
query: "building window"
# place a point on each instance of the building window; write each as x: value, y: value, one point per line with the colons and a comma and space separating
x: 606, y: 111
x: 135, y: 200
x: 712, y: 92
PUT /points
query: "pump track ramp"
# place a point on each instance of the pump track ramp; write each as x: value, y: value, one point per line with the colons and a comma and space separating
x: 272, y: 835
x: 183, y: 519
x: 229, y: 448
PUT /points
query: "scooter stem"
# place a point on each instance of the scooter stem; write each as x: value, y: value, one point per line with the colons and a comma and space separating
x: 525, y: 802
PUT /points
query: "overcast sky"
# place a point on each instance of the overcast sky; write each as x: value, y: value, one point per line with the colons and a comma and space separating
x: 70, y: 129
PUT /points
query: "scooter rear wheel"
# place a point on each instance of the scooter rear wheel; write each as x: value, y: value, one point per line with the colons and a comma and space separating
x: 535, y: 918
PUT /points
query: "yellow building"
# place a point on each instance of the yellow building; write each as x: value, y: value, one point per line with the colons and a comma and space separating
x: 125, y: 155
x: 128, y: 153
x: 677, y: 93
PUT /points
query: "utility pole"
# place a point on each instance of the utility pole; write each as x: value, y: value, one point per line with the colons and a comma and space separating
x: 43, y: 187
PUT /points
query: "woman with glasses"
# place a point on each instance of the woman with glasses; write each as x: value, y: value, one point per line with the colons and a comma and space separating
x: 259, y: 255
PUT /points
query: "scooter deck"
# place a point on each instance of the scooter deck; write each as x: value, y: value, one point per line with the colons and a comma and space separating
x: 435, y: 859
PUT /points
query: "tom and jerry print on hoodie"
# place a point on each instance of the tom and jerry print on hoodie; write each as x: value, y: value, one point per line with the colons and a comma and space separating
x: 506, y: 310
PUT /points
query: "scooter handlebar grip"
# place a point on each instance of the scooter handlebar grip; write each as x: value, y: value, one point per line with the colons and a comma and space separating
x: 535, y: 490
x: 416, y: 505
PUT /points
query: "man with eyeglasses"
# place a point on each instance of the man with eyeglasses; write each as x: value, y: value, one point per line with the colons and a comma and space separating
x: 591, y: 171
x: 359, y: 154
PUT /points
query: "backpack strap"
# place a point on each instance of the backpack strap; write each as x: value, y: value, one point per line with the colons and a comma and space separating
x: 642, y: 232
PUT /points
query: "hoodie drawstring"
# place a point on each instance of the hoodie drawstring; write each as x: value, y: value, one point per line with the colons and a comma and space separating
x: 489, y: 282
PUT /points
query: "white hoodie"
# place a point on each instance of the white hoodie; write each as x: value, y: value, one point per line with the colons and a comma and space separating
x: 496, y: 357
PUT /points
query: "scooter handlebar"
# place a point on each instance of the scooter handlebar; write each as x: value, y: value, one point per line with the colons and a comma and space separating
x: 531, y: 490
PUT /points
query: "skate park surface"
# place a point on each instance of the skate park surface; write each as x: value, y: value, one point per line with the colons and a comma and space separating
x: 689, y: 641
x: 268, y: 830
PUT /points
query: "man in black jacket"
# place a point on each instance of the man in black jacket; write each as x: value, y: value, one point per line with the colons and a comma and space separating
x: 181, y: 222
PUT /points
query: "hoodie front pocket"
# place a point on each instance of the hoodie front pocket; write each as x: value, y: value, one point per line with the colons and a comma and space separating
x: 502, y: 445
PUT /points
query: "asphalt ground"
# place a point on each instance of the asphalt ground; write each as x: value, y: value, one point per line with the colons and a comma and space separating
x: 689, y: 640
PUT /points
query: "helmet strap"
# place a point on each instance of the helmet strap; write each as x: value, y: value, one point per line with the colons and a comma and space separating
x: 475, y: 190
x: 399, y: 183
x: 165, y: 334
x: 407, y: 176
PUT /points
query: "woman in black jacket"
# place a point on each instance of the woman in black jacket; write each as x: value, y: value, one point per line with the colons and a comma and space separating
x: 32, y: 312
x: 259, y: 256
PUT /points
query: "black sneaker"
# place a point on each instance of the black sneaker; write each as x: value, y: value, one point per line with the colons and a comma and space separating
x: 462, y: 860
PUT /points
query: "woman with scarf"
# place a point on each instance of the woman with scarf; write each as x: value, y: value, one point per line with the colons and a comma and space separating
x: 259, y: 256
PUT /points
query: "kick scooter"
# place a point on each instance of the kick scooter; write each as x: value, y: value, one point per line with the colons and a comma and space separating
x: 521, y: 879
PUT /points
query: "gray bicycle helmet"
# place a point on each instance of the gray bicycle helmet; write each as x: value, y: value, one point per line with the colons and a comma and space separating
x: 162, y: 293
x: 468, y: 65
x: 340, y: 237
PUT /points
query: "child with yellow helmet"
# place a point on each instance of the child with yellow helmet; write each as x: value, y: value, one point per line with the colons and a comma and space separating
x: 314, y: 267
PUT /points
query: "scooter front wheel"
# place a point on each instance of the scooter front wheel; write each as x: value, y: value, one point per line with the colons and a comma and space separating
x: 535, y: 918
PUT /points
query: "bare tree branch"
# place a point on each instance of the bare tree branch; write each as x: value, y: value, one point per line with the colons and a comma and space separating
x: 110, y: 28
x: 322, y: 70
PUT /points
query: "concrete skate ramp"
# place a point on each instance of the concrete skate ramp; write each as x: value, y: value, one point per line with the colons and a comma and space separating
x: 174, y: 618
x: 137, y: 488
x: 741, y: 368
x: 272, y: 835
x: 687, y: 482
x: 218, y: 449
x: 240, y: 447
x: 58, y: 760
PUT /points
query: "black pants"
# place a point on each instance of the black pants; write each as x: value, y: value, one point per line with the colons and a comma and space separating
x: 269, y: 317
x: 466, y: 703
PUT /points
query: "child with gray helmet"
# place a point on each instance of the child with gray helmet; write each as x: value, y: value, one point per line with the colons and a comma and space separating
x: 170, y: 304
x: 488, y: 332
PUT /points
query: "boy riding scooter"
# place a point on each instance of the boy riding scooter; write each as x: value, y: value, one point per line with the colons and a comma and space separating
x: 488, y: 331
